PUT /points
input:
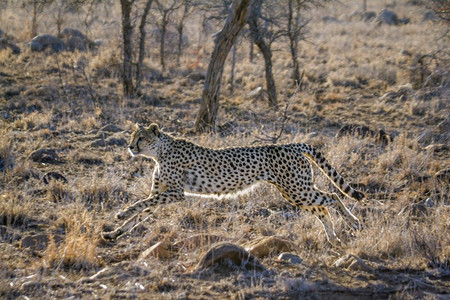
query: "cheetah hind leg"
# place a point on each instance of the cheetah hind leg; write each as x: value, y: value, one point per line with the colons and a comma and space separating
x: 333, y: 200
x: 127, y: 226
x: 322, y: 214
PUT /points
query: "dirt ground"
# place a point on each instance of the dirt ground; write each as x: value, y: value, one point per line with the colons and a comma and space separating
x: 375, y: 100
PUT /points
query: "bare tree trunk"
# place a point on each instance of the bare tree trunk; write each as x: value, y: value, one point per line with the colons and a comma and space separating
x: 233, y: 64
x: 34, y: 25
x: 127, y: 30
x: 364, y: 5
x: 163, y: 41
x: 293, y: 35
x: 142, y: 45
x: 59, y: 18
x: 201, y: 32
x: 180, y: 29
x: 257, y: 37
x: 180, y: 42
x: 250, y: 55
x: 225, y: 39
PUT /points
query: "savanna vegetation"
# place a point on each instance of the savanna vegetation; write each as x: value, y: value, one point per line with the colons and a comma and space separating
x: 368, y: 88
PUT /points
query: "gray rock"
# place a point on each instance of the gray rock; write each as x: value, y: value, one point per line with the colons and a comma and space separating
x: 48, y: 156
x: 116, y: 141
x: 53, y: 176
x: 330, y: 19
x: 429, y: 16
x: 111, y: 141
x: 42, y: 42
x: 76, y: 40
x: 227, y: 251
x: 111, y: 128
x: 292, y: 258
x: 5, y: 44
x: 35, y: 242
x: 386, y: 17
x: 196, y: 76
x: 98, y: 143
x: 368, y: 16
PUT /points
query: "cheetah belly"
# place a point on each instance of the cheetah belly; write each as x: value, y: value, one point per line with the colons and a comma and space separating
x: 216, y: 182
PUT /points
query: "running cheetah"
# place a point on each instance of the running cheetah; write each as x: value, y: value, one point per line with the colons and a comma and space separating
x: 182, y: 166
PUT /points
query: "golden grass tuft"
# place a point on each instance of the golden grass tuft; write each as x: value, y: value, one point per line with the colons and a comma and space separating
x: 78, y: 250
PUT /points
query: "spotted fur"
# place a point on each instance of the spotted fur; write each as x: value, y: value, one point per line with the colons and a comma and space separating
x: 182, y: 166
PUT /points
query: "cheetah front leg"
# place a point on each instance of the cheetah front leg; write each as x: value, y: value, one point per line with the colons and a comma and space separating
x: 156, y: 189
x: 169, y: 196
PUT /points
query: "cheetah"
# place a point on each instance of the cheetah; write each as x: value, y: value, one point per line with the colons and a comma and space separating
x: 182, y: 166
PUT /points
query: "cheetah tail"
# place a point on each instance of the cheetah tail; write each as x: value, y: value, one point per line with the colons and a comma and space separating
x: 331, y: 173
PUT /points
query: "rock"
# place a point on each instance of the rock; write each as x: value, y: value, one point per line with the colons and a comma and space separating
x: 362, y: 16
x: 89, y: 159
x: 111, y: 128
x: 368, y: 16
x: 50, y: 176
x: 29, y: 286
x: 404, y: 21
x: 5, y: 44
x: 292, y: 258
x: 48, y: 156
x: 116, y: 141
x: 98, y: 143
x: 198, y: 241
x: 227, y: 251
x: 35, y: 242
x: 158, y: 250
x: 386, y: 17
x: 430, y: 16
x: 363, y: 131
x: 42, y: 42
x: 196, y: 76
x: 405, y: 52
x: 352, y: 262
x: 76, y: 40
x: 269, y: 245
x: 330, y: 19
x: 358, y: 264
x: 111, y: 141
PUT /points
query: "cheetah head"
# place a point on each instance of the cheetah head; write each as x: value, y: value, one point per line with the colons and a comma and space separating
x: 144, y: 141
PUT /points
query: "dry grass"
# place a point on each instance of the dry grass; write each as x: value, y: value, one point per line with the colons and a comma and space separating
x: 355, y: 74
x: 78, y: 250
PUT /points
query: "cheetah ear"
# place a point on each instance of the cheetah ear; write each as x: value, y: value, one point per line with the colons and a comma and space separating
x: 154, y: 129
